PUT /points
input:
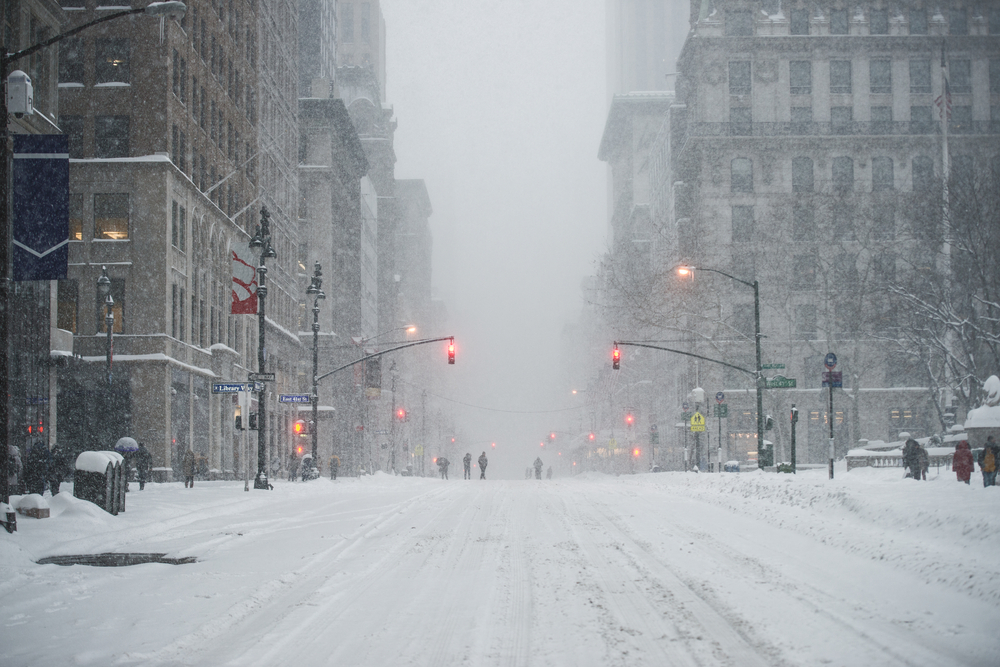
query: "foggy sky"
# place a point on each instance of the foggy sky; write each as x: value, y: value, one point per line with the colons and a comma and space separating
x: 501, y: 106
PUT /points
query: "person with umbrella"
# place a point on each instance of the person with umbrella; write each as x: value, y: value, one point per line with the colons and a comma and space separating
x: 127, y: 447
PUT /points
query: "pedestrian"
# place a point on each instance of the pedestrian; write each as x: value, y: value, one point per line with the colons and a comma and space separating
x: 961, y: 463
x: 483, y: 462
x: 334, y: 466
x: 548, y: 473
x: 188, y: 466
x: 911, y: 457
x: 443, y: 464
x: 15, y: 470
x: 989, y: 458
x: 57, y: 469
x: 924, y: 461
x: 143, y: 465
x: 538, y: 467
x: 293, y: 466
x: 37, y: 469
x: 467, y: 462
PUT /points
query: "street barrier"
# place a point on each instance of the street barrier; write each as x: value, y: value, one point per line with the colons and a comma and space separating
x: 100, y: 479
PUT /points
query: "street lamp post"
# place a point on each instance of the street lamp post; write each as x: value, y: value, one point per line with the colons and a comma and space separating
x: 317, y: 294
x: 104, y: 288
x: 261, y: 242
x: 759, y: 371
x: 158, y: 9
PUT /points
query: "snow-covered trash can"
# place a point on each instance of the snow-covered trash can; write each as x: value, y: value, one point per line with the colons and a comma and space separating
x: 99, y: 479
x: 33, y: 505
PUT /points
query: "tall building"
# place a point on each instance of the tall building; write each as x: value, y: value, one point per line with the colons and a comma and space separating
x: 807, y: 150
x: 644, y: 38
x: 361, y: 40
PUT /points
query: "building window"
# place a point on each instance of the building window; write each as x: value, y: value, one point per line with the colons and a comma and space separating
x: 112, y: 61
x: 111, y: 216
x: 365, y: 21
x: 76, y: 217
x: 71, y: 60
x: 881, y: 114
x: 884, y: 267
x: 741, y: 120
x: 802, y: 174
x: 68, y: 298
x: 742, y: 174
x: 804, y: 271
x: 800, y: 22
x: 800, y: 77
x: 995, y: 75
x: 173, y: 224
x: 176, y: 71
x: 845, y: 270
x: 847, y: 316
x: 960, y: 75
x: 742, y: 223
x: 842, y: 223
x: 920, y: 76
x: 882, y: 174
x: 347, y: 22
x: 175, y: 142
x: 840, y: 76
x: 118, y: 309
x: 961, y: 118
x: 843, y: 174
x: 879, y: 22
x: 111, y: 136
x: 923, y: 173
x: 72, y: 127
x: 841, y: 115
x: 884, y: 221
x: 880, y: 73
x: 739, y: 24
x: 802, y: 114
x: 838, y: 22
x: 963, y: 171
x: 958, y: 22
x: 181, y: 308
x: 739, y: 77
x: 805, y: 322
x: 183, y: 85
x: 918, y: 21
x: 803, y: 223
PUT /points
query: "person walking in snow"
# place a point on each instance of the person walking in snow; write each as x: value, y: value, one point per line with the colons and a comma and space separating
x: 924, y: 461
x: 334, y: 466
x: 143, y: 465
x: 37, y: 469
x: 188, y: 467
x: 961, y: 462
x: 293, y: 466
x: 467, y: 462
x: 483, y: 462
x: 548, y: 473
x: 15, y: 470
x: 538, y: 467
x: 57, y: 469
x: 989, y: 459
x: 443, y: 464
x: 911, y: 457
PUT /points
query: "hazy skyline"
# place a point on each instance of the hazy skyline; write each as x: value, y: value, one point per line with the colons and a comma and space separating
x: 500, y: 108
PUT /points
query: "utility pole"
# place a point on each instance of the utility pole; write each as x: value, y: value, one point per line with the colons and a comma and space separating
x: 262, y: 241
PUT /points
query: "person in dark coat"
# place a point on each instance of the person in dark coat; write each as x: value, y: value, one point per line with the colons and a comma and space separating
x: 989, y: 461
x: 293, y: 466
x: 467, y: 462
x: 925, y: 461
x: 483, y: 462
x: 15, y: 470
x: 911, y: 457
x: 37, y: 470
x: 538, y: 467
x: 443, y: 464
x: 961, y: 463
x: 334, y: 466
x: 57, y: 469
x: 188, y: 467
x: 143, y: 465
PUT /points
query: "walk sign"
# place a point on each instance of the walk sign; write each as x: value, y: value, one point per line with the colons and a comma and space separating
x: 697, y: 422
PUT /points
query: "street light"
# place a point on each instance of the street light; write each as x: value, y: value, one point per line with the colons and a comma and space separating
x: 689, y: 270
x: 261, y: 242
x: 161, y: 9
x: 317, y: 294
x: 104, y: 289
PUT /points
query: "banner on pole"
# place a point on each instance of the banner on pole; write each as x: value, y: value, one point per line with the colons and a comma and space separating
x: 40, y: 206
x: 244, y: 280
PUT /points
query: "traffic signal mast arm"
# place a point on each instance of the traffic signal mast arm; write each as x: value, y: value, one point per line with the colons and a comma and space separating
x: 379, y: 354
x: 687, y: 354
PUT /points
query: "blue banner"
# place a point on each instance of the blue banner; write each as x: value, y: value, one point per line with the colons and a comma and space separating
x: 40, y: 202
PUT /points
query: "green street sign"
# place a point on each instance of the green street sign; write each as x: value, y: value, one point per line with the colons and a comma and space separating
x: 686, y: 416
x: 779, y: 382
x: 773, y: 367
x: 721, y: 411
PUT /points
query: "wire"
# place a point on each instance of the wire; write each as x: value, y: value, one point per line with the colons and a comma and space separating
x: 483, y: 407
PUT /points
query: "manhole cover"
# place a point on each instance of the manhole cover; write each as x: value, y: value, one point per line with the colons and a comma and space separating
x: 115, y: 559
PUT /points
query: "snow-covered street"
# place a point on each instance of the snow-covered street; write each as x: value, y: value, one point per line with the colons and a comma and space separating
x: 654, y: 569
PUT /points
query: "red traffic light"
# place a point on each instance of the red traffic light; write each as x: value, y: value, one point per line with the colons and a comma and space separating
x: 635, y: 452
x: 592, y: 436
x: 401, y: 414
x: 552, y: 436
x: 629, y: 419
x: 616, y: 358
x: 299, y: 427
x: 451, y: 352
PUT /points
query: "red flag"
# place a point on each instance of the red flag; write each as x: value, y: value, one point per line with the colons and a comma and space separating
x: 244, y: 280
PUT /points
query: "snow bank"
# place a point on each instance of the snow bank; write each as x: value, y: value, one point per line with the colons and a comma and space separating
x: 32, y: 501
x: 97, y: 461
x: 987, y: 416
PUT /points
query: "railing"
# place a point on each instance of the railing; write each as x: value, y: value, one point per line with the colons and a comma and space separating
x: 894, y: 460
x: 854, y: 128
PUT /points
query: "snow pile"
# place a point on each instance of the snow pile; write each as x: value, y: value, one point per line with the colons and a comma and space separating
x: 32, y: 501
x: 97, y: 461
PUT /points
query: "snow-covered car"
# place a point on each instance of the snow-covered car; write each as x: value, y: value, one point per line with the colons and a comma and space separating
x: 731, y: 466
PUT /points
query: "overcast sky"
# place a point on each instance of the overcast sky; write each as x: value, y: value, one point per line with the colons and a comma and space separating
x: 500, y: 106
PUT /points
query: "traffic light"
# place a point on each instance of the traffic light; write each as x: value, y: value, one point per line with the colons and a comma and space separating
x: 300, y: 427
x: 592, y: 436
x: 401, y: 414
x: 616, y: 358
x: 552, y: 436
x: 635, y: 452
x: 451, y: 352
x: 629, y: 419
x: 253, y: 421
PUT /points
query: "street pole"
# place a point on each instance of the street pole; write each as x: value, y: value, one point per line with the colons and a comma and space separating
x: 317, y: 294
x: 831, y: 423
x: 262, y: 241
x: 760, y: 377
x: 795, y: 420
x: 104, y: 287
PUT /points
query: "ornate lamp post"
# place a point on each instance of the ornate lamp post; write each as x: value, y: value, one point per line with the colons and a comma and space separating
x: 261, y: 242
x: 104, y: 288
x: 317, y: 294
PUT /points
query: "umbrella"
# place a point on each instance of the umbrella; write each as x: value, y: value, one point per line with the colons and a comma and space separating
x: 126, y: 445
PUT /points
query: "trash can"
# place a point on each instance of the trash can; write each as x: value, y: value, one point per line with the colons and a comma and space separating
x: 99, y: 479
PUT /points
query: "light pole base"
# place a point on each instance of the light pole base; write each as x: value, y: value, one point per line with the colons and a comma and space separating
x: 260, y: 482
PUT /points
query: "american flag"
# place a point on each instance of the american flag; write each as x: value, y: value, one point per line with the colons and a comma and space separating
x: 943, y: 102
